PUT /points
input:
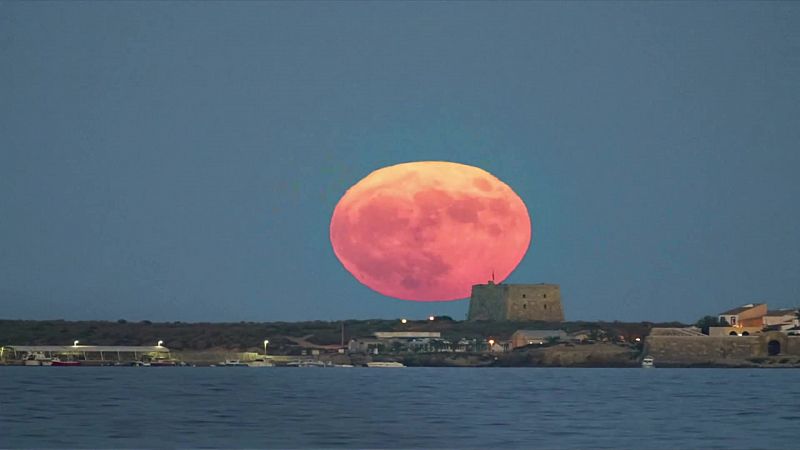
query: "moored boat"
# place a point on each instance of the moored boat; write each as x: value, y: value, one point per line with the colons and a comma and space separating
x: 260, y: 362
x: 163, y: 362
x: 58, y: 362
x: 306, y: 364
x: 385, y: 364
x: 648, y: 362
x: 37, y: 359
x: 232, y: 363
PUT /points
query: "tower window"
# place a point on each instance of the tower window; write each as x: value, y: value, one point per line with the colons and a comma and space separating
x: 545, y: 306
x: 544, y: 295
x: 523, y: 295
x: 524, y: 306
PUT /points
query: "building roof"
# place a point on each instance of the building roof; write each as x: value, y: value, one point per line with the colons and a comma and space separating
x: 541, y: 334
x: 407, y: 334
x: 87, y: 348
x: 782, y: 312
x: 743, y: 308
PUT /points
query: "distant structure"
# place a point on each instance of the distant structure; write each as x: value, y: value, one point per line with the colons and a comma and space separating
x: 516, y: 302
x: 521, y: 338
x: 750, y: 315
x: 754, y: 318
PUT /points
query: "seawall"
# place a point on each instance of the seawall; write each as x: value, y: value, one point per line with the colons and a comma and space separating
x: 723, y: 351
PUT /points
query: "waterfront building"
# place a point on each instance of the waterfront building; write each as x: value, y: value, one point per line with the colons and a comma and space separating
x: 366, y: 345
x: 88, y: 354
x: 428, y: 345
x: 395, y: 341
x: 754, y: 318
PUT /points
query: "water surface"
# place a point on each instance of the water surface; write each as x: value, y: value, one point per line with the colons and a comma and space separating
x: 82, y: 407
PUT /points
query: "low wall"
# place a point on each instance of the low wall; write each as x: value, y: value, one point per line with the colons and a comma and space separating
x: 682, y: 350
x: 793, y: 345
x: 700, y: 350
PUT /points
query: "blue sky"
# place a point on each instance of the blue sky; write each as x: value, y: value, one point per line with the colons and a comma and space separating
x: 180, y: 161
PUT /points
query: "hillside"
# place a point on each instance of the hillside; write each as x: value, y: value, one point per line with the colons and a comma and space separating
x: 283, y: 336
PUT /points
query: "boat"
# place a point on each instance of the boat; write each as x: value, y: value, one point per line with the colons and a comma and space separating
x: 135, y: 364
x: 37, y: 359
x: 70, y: 363
x: 232, y: 363
x: 648, y: 362
x: 163, y: 362
x: 260, y: 362
x: 306, y: 364
x: 385, y: 364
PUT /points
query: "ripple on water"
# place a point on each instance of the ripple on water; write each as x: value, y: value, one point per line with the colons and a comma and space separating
x: 434, y: 408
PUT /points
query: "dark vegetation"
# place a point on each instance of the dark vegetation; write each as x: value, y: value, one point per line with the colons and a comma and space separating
x: 283, y: 336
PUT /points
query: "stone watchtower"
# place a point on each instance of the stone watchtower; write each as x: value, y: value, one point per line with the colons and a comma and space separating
x: 516, y: 302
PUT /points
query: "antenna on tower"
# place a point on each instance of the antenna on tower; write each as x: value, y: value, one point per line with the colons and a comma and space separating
x: 492, y: 276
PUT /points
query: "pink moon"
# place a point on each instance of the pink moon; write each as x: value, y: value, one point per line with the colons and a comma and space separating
x: 427, y: 231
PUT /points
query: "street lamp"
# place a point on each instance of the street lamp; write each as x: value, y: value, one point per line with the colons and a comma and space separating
x: 431, y: 318
x: 159, y: 343
x: 403, y: 320
x: 491, y: 344
x: 266, y: 341
x: 75, y: 344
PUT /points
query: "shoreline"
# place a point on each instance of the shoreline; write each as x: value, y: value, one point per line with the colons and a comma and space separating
x: 604, y: 345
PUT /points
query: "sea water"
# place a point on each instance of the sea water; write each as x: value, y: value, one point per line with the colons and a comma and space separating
x: 126, y: 407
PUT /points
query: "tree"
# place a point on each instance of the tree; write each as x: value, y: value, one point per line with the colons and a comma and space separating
x: 595, y: 334
x: 710, y: 321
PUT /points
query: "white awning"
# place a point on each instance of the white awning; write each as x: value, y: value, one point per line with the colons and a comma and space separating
x: 87, y: 348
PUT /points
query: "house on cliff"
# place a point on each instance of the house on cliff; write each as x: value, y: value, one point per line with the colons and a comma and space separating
x: 782, y: 319
x: 752, y: 319
x: 750, y: 315
x: 745, y: 320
